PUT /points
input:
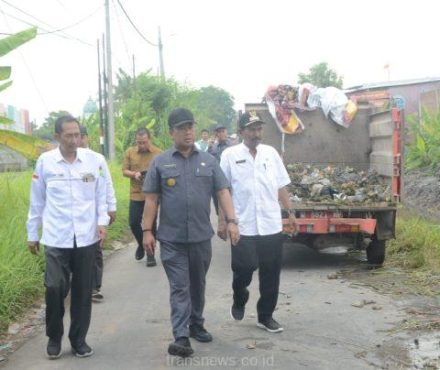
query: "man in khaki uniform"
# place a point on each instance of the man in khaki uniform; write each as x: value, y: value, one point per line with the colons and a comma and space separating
x: 136, y: 163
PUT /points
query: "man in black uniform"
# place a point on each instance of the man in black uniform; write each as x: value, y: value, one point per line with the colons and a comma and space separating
x: 222, y: 142
x: 183, y: 179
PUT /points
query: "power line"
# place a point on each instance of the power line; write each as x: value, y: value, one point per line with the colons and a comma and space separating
x: 76, y: 23
x: 64, y: 36
x: 121, y: 32
x: 48, y: 31
x: 134, y: 26
x: 26, y: 13
x: 34, y: 82
x: 58, y: 33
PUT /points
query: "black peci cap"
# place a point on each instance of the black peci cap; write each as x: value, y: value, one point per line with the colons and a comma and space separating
x: 83, y: 130
x: 180, y: 116
x: 219, y: 126
x: 249, y: 118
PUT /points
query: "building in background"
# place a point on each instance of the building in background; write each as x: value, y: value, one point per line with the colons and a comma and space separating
x: 89, y: 108
x: 20, y: 117
x: 430, y: 102
x: 10, y: 160
x: 406, y: 93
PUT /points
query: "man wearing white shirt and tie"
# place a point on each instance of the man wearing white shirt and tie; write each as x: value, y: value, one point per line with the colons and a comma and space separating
x: 258, y: 178
x: 68, y: 199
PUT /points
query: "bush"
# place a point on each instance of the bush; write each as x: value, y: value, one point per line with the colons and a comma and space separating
x: 424, y: 151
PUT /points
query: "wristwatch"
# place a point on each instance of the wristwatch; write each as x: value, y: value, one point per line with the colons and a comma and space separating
x: 290, y: 212
x: 231, y: 221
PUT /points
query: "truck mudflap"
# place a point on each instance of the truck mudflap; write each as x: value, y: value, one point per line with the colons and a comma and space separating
x: 332, y: 225
x: 386, y: 225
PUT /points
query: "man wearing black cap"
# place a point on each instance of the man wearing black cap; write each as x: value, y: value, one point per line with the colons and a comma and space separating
x: 222, y: 141
x: 258, y: 179
x: 182, y: 180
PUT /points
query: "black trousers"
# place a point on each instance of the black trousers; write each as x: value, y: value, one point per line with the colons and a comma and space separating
x: 99, y: 269
x: 69, y: 268
x: 135, y: 212
x: 265, y: 254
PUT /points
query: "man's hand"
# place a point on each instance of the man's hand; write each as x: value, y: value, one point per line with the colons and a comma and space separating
x: 149, y: 242
x: 34, y: 247
x: 102, y: 233
x: 233, y: 233
x: 137, y: 176
x: 222, y: 232
x: 292, y: 224
x: 112, y: 216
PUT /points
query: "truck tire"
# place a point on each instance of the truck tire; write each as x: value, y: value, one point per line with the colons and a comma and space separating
x: 376, y: 251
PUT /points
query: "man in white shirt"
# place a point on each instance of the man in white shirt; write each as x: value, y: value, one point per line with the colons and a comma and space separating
x: 68, y: 199
x: 258, y: 179
x: 97, y: 296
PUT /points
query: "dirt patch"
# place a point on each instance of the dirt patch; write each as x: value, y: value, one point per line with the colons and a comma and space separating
x: 422, y: 192
x: 415, y: 340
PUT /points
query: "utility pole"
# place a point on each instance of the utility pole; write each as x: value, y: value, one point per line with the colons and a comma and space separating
x: 111, y: 120
x: 105, y: 97
x: 101, y: 116
x: 134, y: 74
x: 161, y: 67
x: 134, y: 67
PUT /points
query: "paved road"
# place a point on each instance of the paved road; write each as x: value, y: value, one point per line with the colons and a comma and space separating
x: 131, y: 329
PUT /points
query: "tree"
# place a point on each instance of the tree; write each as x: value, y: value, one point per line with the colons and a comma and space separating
x: 321, y: 75
x: 47, y: 130
x: 146, y: 101
x: 218, y: 104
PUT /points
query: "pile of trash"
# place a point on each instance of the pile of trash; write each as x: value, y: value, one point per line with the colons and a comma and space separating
x: 283, y: 100
x: 337, y: 185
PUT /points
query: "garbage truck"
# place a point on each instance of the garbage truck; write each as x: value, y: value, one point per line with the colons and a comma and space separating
x: 372, y: 142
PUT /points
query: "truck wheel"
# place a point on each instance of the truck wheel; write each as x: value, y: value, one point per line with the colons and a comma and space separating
x: 376, y: 251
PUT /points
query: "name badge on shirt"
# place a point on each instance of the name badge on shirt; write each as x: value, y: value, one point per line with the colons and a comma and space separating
x: 88, y: 177
x: 240, y: 161
x: 173, y: 165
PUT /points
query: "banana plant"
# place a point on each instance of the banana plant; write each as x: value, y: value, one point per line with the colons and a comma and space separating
x: 8, y: 44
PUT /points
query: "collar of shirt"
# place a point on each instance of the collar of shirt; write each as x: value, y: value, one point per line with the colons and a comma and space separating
x: 175, y: 150
x: 148, y: 150
x: 59, y: 156
x: 246, y: 149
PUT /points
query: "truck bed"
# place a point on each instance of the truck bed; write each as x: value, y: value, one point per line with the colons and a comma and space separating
x: 312, y: 206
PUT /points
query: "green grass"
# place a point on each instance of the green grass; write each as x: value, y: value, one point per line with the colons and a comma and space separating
x: 122, y: 190
x: 417, y: 245
x: 21, y: 274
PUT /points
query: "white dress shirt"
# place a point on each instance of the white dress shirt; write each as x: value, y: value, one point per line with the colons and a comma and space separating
x: 110, y: 191
x: 255, y: 184
x: 67, y: 199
